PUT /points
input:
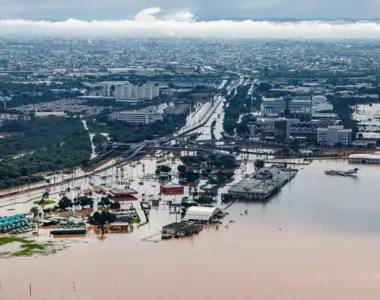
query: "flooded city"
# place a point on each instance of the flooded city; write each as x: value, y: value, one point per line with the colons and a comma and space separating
x: 175, y: 168
x: 318, y: 236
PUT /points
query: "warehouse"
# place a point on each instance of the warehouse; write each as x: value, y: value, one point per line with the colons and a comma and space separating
x: 263, y: 184
x: 201, y: 214
x: 364, y: 158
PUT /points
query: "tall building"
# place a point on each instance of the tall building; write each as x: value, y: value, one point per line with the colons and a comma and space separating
x: 130, y: 91
x: 281, y: 129
x: 289, y: 107
x: 334, y: 135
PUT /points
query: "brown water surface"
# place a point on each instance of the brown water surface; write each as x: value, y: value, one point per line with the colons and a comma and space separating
x: 318, y: 239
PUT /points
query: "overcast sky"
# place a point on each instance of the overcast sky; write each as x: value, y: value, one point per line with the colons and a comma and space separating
x: 190, y: 18
x: 204, y: 9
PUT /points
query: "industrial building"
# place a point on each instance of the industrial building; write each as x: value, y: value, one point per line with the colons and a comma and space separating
x: 334, y: 135
x: 145, y: 116
x: 202, y: 214
x: 186, y: 228
x: 172, y: 189
x: 364, y: 158
x: 281, y: 130
x: 262, y: 184
x: 296, y: 107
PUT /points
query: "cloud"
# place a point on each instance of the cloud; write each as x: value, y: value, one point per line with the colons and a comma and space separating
x: 147, y: 14
x: 184, y: 16
x: 184, y: 24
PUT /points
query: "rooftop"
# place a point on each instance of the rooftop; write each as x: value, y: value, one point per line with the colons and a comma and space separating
x: 263, y: 181
x: 123, y: 191
x: 365, y: 156
x: 199, y: 213
x: 168, y: 186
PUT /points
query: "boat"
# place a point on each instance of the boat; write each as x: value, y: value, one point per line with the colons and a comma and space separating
x: 351, y: 172
x: 68, y: 231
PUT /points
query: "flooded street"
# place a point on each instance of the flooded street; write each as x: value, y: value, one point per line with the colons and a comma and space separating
x: 318, y: 238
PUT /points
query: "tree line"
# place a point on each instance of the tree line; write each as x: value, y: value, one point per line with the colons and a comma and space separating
x: 46, y: 144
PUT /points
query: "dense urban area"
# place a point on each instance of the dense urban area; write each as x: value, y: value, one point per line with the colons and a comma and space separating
x: 184, y: 161
x: 87, y: 125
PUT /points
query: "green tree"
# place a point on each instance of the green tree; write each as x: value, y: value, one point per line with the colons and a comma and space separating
x: 64, y: 203
x: 115, y: 205
x: 84, y: 201
x: 181, y: 168
x: 105, y: 201
x: 165, y: 169
x: 259, y: 164
x: 35, y: 210
x: 102, y: 218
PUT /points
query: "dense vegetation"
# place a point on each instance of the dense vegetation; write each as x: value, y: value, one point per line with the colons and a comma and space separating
x: 98, y: 140
x: 48, y: 144
x: 133, y: 133
x: 242, y: 127
x: 218, y: 161
x: 237, y: 104
x: 102, y: 218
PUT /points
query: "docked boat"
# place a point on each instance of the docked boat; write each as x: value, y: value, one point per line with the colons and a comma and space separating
x: 342, y: 173
x: 68, y: 231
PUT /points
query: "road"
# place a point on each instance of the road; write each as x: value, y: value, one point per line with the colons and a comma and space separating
x: 207, y: 112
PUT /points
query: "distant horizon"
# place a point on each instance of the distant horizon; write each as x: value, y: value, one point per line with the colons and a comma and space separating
x: 151, y: 22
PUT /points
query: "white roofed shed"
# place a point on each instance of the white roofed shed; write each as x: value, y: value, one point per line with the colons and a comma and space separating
x: 199, y: 213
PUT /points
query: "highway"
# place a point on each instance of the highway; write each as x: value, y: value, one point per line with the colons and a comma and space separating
x: 196, y: 121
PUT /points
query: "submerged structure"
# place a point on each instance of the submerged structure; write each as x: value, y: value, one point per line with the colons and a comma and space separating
x: 263, y: 184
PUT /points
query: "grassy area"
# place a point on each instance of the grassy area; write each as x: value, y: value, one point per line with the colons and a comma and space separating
x: 44, y: 202
x: 28, y: 247
x: 136, y: 220
x: 7, y: 240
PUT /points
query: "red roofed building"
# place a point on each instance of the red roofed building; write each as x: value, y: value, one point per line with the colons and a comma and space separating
x: 172, y: 189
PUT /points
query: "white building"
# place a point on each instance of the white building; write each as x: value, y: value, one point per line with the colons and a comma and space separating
x: 333, y: 135
x: 138, y: 117
x: 364, y: 158
x: 201, y: 214
x: 130, y: 91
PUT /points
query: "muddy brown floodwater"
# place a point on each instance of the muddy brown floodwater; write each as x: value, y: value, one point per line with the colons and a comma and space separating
x: 318, y: 239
